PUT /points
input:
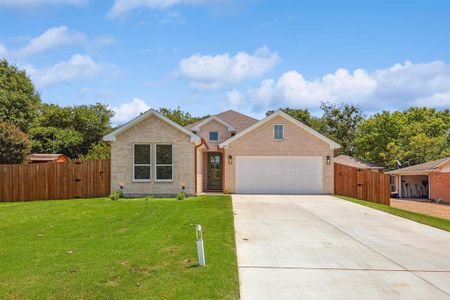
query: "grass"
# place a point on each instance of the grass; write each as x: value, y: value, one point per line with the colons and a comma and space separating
x: 417, y: 217
x: 131, y: 248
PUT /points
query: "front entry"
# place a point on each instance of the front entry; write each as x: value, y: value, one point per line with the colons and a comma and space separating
x: 214, y: 171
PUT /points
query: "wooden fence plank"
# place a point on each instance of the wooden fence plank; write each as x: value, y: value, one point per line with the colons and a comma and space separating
x: 367, y: 185
x: 30, y: 182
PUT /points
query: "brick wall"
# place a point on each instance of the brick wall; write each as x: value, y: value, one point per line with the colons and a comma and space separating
x: 297, y: 142
x: 440, y: 186
x: 152, y: 130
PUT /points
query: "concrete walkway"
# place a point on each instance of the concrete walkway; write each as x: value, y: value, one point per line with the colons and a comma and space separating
x: 321, y: 247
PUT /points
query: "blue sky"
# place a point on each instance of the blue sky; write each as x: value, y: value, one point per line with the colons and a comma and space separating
x: 251, y: 56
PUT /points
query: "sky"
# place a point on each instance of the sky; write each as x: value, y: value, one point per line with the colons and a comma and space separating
x: 248, y: 55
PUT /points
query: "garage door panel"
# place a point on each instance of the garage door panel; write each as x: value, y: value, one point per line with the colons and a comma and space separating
x: 279, y: 175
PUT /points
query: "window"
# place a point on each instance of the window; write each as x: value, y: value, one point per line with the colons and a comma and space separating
x: 164, y: 164
x: 141, y: 167
x: 278, y: 131
x: 213, y: 136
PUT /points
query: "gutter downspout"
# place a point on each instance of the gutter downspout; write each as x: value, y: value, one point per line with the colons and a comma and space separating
x: 202, y: 143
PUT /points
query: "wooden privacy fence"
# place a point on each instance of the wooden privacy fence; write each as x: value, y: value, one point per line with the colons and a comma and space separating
x: 46, y: 181
x: 370, y: 185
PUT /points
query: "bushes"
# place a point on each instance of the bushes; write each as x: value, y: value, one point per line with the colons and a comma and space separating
x: 116, y: 195
x: 14, y: 144
x: 181, y: 196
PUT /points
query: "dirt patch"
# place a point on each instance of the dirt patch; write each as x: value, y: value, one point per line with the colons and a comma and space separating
x: 431, y: 209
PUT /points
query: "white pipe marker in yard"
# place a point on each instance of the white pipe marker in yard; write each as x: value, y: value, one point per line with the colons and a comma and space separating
x: 200, y: 249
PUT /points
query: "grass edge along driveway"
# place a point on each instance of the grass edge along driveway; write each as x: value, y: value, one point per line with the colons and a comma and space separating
x: 130, y: 248
x: 417, y: 217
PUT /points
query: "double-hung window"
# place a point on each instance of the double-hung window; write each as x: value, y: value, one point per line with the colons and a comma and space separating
x: 164, y: 162
x: 142, y: 162
x: 278, y: 131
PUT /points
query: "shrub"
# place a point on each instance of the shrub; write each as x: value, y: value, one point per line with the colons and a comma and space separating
x: 14, y: 144
x: 227, y: 191
x: 116, y: 195
x: 181, y: 196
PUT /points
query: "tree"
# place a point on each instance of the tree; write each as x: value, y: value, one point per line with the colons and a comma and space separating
x: 413, y: 136
x: 179, y: 116
x: 340, y: 123
x: 14, y: 144
x: 56, y: 140
x: 99, y: 150
x: 302, y: 115
x: 18, y: 97
x: 70, y: 130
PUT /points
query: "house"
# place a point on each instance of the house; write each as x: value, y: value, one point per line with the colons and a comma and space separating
x: 356, y: 163
x: 228, y: 152
x: 46, y: 158
x: 430, y: 180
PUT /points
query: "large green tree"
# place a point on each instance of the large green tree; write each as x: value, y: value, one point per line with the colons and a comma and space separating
x: 14, y: 144
x: 340, y: 123
x: 70, y: 130
x: 19, y: 100
x: 410, y: 137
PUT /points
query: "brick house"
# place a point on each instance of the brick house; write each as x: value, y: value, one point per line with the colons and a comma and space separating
x: 226, y: 152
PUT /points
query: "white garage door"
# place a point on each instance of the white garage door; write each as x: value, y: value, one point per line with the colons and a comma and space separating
x: 279, y: 175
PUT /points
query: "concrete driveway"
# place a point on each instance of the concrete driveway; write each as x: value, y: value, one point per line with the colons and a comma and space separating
x: 321, y: 247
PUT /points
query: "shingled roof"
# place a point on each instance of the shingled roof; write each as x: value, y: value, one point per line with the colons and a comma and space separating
x: 354, y: 162
x: 237, y: 120
x: 427, y: 167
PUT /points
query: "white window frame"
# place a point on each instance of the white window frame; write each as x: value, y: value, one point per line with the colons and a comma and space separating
x: 162, y: 165
x: 209, y: 136
x: 142, y: 165
x: 282, y: 132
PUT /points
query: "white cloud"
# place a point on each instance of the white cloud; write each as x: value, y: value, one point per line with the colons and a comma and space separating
x: 215, y: 72
x: 3, y: 51
x: 234, y: 99
x: 77, y: 67
x: 398, y: 86
x: 27, y: 4
x: 52, y: 38
x: 123, y: 7
x: 127, y: 111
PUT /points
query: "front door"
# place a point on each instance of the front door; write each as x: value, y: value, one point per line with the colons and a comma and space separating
x: 214, y: 171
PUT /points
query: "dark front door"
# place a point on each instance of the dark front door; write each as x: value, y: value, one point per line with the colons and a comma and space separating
x: 214, y: 171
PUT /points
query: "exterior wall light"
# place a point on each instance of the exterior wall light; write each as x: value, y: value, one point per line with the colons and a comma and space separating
x: 328, y: 160
x: 121, y: 186
x: 230, y: 159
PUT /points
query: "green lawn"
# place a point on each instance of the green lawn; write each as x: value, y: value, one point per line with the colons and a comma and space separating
x: 420, y: 218
x: 126, y: 249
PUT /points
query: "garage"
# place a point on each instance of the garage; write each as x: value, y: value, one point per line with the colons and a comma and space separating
x: 279, y: 175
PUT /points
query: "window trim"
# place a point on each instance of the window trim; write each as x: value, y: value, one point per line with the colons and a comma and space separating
x: 142, y: 165
x: 282, y: 132
x: 209, y: 136
x: 167, y: 165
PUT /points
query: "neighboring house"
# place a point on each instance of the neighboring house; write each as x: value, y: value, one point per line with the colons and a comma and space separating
x: 227, y: 152
x: 430, y: 180
x: 46, y: 158
x: 356, y: 163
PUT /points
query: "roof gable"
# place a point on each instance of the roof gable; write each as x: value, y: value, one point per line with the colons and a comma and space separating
x: 232, y: 118
x: 111, y: 137
x: 332, y: 144
x: 212, y: 118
